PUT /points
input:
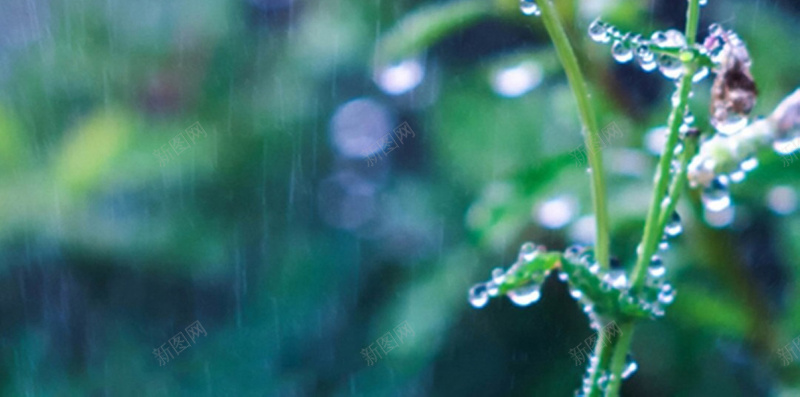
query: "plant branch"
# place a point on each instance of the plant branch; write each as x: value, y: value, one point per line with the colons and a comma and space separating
x: 602, y: 351
x: 618, y: 359
x: 592, y: 135
x: 652, y: 233
x: 678, y: 181
x: 653, y: 227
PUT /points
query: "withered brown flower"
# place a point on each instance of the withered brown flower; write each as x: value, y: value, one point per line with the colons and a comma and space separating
x: 734, y: 92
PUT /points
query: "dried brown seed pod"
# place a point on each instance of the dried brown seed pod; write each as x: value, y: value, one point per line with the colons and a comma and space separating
x: 734, y: 92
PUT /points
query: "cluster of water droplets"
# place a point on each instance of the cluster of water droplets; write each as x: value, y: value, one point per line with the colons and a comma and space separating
x: 626, y: 47
x: 651, y: 300
x: 529, y: 7
x: 605, y: 377
x: 524, y: 295
x: 716, y: 189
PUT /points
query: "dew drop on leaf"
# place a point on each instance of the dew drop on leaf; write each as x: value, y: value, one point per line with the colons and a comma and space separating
x: 598, y: 31
x: 478, y: 296
x: 524, y: 296
x: 621, y: 52
x: 527, y: 252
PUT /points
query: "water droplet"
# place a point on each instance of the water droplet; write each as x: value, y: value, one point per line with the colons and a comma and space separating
x: 786, y: 145
x: 701, y: 74
x: 527, y: 252
x: 719, y: 219
x: 598, y: 31
x: 621, y: 52
x: 645, y: 58
x: 731, y: 125
x: 630, y: 367
x: 675, y: 99
x: 663, y: 244
x: 658, y: 38
x: 702, y: 3
x: 478, y: 296
x: 575, y: 293
x: 526, y: 295
x: 656, y: 268
x: 498, y: 275
x: 674, y: 38
x: 674, y: 226
x: 492, y: 288
x: 670, y: 67
x: 749, y: 164
x: 529, y: 7
x: 667, y: 294
x: 714, y: 29
x: 716, y: 196
x: 616, y: 279
x: 562, y: 276
x: 737, y: 176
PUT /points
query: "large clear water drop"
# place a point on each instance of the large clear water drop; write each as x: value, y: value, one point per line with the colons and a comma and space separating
x: 525, y: 296
x: 527, y: 252
x: 656, y: 268
x: 478, y: 296
x: 621, y: 52
x: 674, y: 226
x: 716, y: 196
x: 598, y: 31
x: 670, y: 67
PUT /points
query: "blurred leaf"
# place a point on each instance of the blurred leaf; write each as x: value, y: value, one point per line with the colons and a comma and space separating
x: 427, y: 25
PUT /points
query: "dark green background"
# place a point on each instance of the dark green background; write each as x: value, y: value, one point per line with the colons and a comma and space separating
x: 104, y: 254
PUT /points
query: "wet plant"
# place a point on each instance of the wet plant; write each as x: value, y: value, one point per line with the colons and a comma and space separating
x: 709, y: 157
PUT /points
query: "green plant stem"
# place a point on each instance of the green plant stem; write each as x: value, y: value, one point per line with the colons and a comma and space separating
x: 678, y: 181
x: 618, y: 359
x: 603, y: 353
x: 652, y: 232
x: 692, y: 20
x: 592, y: 137
x: 653, y: 227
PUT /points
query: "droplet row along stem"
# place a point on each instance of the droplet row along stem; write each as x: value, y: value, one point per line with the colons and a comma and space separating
x: 678, y: 181
x: 652, y: 232
x: 660, y: 44
x: 653, y: 229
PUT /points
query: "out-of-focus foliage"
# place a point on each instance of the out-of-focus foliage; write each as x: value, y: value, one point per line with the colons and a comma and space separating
x: 274, y: 233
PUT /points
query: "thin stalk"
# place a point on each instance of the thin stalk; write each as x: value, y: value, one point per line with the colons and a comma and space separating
x: 603, y: 353
x: 652, y: 232
x: 678, y: 181
x: 653, y: 228
x: 592, y: 137
x: 618, y: 359
x: 692, y: 20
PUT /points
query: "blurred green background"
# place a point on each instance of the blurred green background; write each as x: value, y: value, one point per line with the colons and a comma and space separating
x: 295, y: 253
